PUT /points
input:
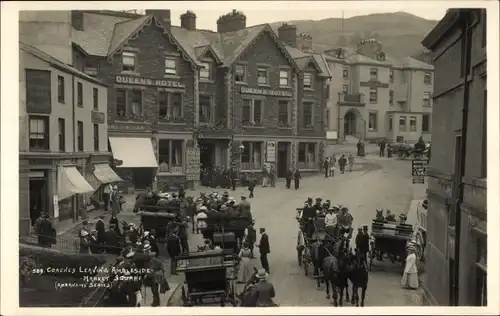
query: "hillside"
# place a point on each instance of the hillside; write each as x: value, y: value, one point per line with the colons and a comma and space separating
x: 400, y: 32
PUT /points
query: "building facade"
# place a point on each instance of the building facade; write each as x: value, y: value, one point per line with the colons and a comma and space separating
x: 63, y: 138
x: 240, y: 95
x: 375, y: 96
x: 456, y: 251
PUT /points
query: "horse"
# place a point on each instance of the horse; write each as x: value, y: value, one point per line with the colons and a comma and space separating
x: 357, y: 273
x: 318, y: 253
x: 334, y: 270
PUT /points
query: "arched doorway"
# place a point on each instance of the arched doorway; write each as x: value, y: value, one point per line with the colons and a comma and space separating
x: 350, y: 122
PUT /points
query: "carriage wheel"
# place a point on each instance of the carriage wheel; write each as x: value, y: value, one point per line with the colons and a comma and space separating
x: 185, y: 301
x: 232, y: 296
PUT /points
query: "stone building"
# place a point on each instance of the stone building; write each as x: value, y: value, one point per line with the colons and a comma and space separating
x: 174, y: 89
x: 456, y: 248
x: 62, y: 138
x: 377, y: 96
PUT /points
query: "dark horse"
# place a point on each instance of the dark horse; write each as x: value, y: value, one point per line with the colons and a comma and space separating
x: 357, y: 273
x: 335, y: 269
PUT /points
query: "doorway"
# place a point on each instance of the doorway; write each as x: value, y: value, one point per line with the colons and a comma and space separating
x: 37, y: 197
x: 282, y: 167
x: 207, y: 154
x: 142, y: 178
x: 350, y: 123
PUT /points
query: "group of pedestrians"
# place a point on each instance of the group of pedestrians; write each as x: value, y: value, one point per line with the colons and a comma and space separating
x: 343, y: 161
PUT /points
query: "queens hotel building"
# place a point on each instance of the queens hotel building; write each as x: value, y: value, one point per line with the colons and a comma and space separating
x: 242, y: 95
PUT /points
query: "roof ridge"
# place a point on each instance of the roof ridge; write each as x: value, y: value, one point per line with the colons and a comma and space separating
x: 147, y: 18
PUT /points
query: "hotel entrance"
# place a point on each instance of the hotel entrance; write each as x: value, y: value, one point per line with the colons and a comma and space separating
x: 283, y: 161
x: 207, y: 154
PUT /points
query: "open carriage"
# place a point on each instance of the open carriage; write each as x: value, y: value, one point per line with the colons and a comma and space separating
x: 209, y: 278
x: 159, y: 221
x: 389, y: 239
x: 227, y: 234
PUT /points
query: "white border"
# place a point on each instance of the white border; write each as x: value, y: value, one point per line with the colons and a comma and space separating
x: 9, y: 151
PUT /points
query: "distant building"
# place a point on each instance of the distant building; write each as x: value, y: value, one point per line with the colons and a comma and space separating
x: 174, y: 87
x: 447, y: 40
x: 375, y: 96
x: 63, y: 146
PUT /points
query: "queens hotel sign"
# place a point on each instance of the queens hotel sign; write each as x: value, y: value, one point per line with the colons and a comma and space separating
x: 148, y: 82
x: 272, y: 93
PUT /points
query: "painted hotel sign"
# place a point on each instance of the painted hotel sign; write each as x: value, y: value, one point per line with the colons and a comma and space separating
x: 148, y: 82
x: 273, y: 93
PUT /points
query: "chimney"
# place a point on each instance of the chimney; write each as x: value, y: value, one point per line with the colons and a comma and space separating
x: 77, y: 20
x: 288, y: 34
x: 370, y: 48
x: 233, y: 21
x: 162, y: 16
x: 188, y: 21
x: 305, y: 42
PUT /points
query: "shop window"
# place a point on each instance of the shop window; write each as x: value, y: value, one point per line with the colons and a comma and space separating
x: 251, y: 157
x: 60, y: 89
x: 170, y: 105
x: 170, y: 154
x: 307, y: 156
x: 372, y: 121
x: 205, y: 112
x: 307, y: 114
x: 39, y: 132
x: 240, y: 73
x: 284, y: 78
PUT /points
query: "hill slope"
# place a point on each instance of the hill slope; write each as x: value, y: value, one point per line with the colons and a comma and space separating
x: 399, y: 32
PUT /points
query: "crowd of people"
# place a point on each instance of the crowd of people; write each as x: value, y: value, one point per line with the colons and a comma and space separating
x: 343, y: 161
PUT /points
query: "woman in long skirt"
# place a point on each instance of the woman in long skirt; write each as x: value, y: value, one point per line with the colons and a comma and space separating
x: 410, y: 275
x: 245, y: 269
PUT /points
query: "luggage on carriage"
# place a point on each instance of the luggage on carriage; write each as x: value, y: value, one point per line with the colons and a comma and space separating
x: 389, y: 239
x: 226, y: 233
x: 209, y: 278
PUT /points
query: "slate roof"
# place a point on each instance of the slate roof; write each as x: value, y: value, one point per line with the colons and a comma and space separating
x: 104, y: 34
x: 298, y: 54
x: 56, y: 63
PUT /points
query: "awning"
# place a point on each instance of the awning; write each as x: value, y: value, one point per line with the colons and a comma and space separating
x: 105, y: 174
x: 70, y: 181
x: 134, y: 152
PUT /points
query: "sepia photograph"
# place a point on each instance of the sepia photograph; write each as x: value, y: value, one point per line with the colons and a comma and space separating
x: 220, y: 155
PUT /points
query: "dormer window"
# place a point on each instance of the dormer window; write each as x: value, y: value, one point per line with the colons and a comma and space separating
x: 205, y: 71
x: 128, y: 61
x: 308, y: 81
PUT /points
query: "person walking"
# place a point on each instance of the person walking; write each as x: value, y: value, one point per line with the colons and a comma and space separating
x: 342, y: 163
x: 350, y: 158
x: 251, y: 186
x: 296, y: 179
x: 106, y: 192
x: 264, y: 249
x: 332, y: 162
x: 410, y: 275
x: 288, y: 178
x: 245, y: 268
x: 272, y: 174
x: 326, y: 166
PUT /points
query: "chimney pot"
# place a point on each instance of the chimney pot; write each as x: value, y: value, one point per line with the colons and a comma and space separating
x: 232, y: 21
x: 287, y: 33
x: 188, y: 20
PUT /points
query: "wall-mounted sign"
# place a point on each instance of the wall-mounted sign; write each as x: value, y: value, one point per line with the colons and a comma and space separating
x: 271, y: 151
x: 273, y: 93
x: 193, y: 164
x: 38, y: 91
x: 129, y: 127
x: 419, y: 170
x: 148, y: 82
x: 97, y: 117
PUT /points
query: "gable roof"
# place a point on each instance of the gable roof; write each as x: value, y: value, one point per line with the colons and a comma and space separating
x: 298, y: 54
x: 123, y: 31
x: 201, y: 51
x: 56, y: 63
x: 305, y: 61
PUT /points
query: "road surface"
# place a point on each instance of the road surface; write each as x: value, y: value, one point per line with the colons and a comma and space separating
x: 381, y: 183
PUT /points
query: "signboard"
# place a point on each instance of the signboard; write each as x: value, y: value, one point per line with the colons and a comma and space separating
x: 273, y: 93
x: 38, y: 91
x: 97, y: 117
x: 331, y: 135
x: 193, y: 164
x: 148, y: 82
x: 419, y: 170
x: 271, y: 151
x: 129, y: 127
x: 55, y: 201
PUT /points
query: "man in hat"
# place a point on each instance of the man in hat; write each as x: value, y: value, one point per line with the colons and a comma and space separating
x: 114, y: 221
x: 263, y: 291
x: 264, y: 249
x: 250, y: 238
x: 174, y: 250
x: 288, y: 178
x: 200, y: 219
x: 94, y: 243
x: 84, y: 242
x: 363, y: 243
x: 133, y: 233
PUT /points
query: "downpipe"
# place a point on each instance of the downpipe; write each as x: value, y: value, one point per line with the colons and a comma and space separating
x: 73, y: 126
x: 466, y: 21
